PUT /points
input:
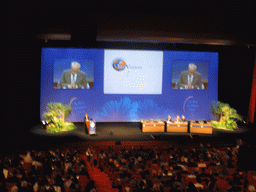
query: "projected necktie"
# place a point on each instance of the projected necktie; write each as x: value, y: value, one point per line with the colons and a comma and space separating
x: 190, y: 79
x: 73, y: 80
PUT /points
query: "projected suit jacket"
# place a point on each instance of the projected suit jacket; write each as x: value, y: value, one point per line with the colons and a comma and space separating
x: 196, y: 82
x: 81, y: 81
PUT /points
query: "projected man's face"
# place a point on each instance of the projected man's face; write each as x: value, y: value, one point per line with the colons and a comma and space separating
x: 191, y: 71
x: 74, y: 69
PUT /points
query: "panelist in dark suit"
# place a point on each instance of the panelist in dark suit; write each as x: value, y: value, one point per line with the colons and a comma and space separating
x: 190, y: 79
x: 74, y: 78
x: 183, y: 119
x: 177, y: 119
x: 169, y: 118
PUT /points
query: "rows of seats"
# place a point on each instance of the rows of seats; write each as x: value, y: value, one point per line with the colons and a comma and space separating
x: 204, y: 168
x: 145, y: 168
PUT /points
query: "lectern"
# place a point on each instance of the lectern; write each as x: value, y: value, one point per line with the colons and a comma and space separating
x: 91, y: 126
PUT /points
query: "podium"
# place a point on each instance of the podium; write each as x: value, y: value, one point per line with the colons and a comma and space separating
x: 153, y: 126
x: 200, y: 128
x: 91, y: 126
x: 176, y: 127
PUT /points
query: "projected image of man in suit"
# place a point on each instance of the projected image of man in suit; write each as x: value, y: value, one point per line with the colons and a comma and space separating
x: 74, y: 78
x: 190, y: 79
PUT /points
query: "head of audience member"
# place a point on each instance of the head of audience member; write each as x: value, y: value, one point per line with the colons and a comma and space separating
x: 157, y: 187
x: 211, y: 186
x: 149, y: 184
x: 191, y: 187
x: 251, y: 188
x: 14, y: 188
x: 159, y: 174
x: 198, y: 179
x: 141, y: 184
x: 154, y: 173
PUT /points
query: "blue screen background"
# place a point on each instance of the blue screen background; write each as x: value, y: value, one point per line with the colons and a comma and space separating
x: 193, y: 104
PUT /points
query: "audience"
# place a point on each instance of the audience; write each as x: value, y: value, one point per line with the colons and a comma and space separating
x: 208, y: 163
x: 43, y: 170
x: 202, y: 168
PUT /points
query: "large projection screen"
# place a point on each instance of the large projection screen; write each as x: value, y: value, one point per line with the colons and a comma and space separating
x: 129, y: 85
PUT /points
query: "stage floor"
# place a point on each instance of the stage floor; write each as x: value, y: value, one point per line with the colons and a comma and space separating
x: 125, y: 131
x: 132, y: 131
x: 38, y: 138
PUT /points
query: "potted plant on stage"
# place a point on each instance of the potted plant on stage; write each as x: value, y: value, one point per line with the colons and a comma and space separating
x: 56, y: 115
x: 224, y: 116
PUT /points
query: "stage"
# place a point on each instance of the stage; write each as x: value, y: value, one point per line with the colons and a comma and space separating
x: 124, y: 133
x: 132, y: 131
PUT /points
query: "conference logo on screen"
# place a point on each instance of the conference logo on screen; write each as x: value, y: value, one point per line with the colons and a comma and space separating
x: 191, y: 104
x: 119, y: 65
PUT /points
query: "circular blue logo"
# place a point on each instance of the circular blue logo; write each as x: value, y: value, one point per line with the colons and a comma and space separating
x: 119, y: 65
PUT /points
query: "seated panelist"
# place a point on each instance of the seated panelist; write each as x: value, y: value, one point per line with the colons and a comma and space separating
x: 183, y: 119
x: 178, y: 120
x: 169, y: 119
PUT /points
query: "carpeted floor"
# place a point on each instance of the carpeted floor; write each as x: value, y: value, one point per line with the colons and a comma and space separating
x: 101, y: 180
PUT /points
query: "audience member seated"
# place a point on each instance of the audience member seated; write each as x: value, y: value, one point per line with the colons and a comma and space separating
x: 180, y: 169
x: 192, y: 163
x: 221, y: 184
x: 183, y: 119
x: 191, y: 187
x: 251, y: 188
x: 198, y: 183
x: 203, y: 174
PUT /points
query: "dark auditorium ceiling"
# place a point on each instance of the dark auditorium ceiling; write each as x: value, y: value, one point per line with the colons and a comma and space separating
x: 224, y: 23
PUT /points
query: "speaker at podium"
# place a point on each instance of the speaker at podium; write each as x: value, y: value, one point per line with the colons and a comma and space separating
x: 90, y: 125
